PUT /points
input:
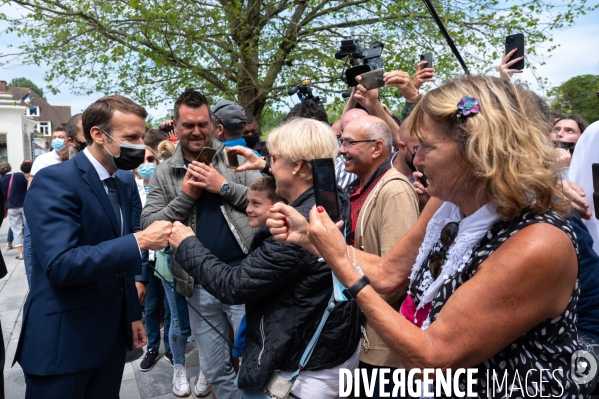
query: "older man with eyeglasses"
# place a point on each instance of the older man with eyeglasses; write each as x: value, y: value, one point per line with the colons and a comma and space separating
x: 383, y: 208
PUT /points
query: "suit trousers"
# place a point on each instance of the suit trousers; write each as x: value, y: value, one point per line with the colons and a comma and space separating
x: 103, y: 382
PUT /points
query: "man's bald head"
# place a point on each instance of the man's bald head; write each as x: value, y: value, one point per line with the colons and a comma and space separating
x: 372, y: 128
x: 336, y: 126
x: 351, y: 115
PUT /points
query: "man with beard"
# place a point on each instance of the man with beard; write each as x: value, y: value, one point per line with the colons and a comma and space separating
x: 211, y: 200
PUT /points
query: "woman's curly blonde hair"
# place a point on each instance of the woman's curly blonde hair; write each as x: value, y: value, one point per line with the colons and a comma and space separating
x: 507, y: 143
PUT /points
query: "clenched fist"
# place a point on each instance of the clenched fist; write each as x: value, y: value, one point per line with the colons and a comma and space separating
x: 155, y: 237
x: 179, y: 233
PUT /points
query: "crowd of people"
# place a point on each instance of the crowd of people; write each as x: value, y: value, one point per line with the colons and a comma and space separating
x: 467, y: 238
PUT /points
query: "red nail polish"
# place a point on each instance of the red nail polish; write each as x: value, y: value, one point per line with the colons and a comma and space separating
x: 283, y: 219
x: 320, y: 209
x: 270, y: 206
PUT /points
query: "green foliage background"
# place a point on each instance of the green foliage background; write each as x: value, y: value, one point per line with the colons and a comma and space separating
x: 578, y: 96
x: 252, y: 51
x: 24, y: 82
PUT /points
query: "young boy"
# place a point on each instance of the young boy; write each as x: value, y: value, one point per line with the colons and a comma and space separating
x: 260, y: 196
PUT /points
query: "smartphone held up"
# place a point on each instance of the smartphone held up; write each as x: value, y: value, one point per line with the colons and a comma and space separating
x: 231, y: 159
x: 325, y: 186
x: 206, y: 155
x: 512, y: 42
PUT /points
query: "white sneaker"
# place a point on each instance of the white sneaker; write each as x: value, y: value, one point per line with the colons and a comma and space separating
x: 201, y: 388
x: 180, y: 382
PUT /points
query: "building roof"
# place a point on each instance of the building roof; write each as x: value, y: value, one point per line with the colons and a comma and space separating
x: 58, y: 115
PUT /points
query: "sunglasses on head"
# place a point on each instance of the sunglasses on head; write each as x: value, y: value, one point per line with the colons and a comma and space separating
x: 437, y: 256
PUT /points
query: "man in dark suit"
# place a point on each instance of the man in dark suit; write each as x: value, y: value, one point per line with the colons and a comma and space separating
x: 82, y: 310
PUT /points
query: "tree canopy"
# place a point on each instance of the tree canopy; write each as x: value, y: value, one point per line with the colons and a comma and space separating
x: 578, y: 95
x: 24, y: 82
x: 251, y: 51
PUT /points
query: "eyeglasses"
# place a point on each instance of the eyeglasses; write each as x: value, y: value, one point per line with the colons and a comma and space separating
x: 436, y: 258
x: 351, y: 143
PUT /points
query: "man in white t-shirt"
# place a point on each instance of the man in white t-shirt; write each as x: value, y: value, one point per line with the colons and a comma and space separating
x: 59, y: 146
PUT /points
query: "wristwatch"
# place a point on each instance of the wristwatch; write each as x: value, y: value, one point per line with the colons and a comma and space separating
x: 352, y: 291
x: 224, y: 188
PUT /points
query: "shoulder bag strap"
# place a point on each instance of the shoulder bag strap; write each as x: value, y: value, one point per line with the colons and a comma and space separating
x: 308, y: 352
x: 9, y: 187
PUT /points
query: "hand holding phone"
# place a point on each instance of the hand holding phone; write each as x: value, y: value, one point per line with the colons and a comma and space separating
x: 512, y: 42
x: 206, y: 155
x: 325, y: 186
x: 373, y: 79
x: 428, y: 58
x: 231, y: 160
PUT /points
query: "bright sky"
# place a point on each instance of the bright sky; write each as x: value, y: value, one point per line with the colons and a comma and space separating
x: 578, y: 54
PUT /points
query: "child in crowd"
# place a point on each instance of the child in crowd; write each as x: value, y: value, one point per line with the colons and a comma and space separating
x: 261, y: 196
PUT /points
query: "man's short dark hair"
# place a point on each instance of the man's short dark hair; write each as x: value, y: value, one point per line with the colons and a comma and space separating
x: 100, y: 113
x: 250, y: 117
x: 192, y: 98
x: 26, y: 166
x: 308, y: 109
x: 60, y: 129
x: 72, y: 126
x: 154, y: 137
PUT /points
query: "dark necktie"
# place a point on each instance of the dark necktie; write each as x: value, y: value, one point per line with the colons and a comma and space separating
x: 113, y: 195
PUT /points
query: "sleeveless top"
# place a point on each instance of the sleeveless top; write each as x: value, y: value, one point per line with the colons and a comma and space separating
x: 549, y: 345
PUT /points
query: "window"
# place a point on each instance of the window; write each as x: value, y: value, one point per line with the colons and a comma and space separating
x: 45, y: 128
x: 33, y: 111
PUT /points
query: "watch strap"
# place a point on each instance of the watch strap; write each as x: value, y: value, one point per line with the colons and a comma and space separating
x: 351, y: 292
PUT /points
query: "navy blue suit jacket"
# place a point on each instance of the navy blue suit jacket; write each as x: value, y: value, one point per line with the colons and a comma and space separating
x: 82, y: 283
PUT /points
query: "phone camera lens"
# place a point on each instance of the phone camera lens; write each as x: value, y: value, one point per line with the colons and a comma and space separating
x: 509, y: 40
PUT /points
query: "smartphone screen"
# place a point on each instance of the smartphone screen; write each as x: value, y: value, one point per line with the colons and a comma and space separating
x: 325, y: 186
x: 231, y: 159
x: 206, y: 155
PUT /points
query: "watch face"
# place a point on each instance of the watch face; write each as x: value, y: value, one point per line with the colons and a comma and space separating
x: 225, y: 188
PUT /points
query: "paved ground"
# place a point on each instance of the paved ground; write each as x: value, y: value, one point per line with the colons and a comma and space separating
x: 156, y: 383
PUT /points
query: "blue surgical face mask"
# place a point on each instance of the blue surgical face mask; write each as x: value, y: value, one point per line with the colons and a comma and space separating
x: 58, y: 144
x: 145, y: 170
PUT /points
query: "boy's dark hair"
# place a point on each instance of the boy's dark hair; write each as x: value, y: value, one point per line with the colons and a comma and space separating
x: 154, y: 137
x: 192, y: 98
x: 267, y: 185
x: 308, y: 108
x: 26, y: 166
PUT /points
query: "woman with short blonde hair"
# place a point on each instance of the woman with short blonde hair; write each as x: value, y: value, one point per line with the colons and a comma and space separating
x: 301, y: 140
x: 285, y: 288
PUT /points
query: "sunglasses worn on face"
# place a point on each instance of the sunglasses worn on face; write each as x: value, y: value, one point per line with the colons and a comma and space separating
x: 437, y: 257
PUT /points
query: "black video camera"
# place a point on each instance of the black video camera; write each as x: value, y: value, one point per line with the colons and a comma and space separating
x: 304, y: 91
x: 371, y: 58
